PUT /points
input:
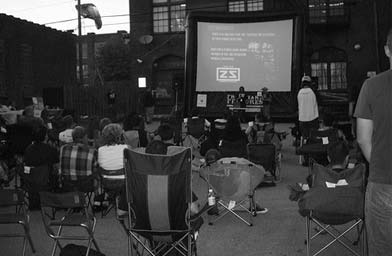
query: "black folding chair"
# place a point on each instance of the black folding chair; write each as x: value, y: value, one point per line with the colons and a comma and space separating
x: 159, y: 195
x: 233, y: 148
x: 335, y: 199
x: 72, y: 218
x: 10, y: 198
x: 266, y: 156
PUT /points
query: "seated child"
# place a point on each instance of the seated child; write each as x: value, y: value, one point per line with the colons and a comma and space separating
x: 338, y: 156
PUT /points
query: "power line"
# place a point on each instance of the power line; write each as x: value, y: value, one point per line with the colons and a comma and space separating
x: 40, y: 6
x: 140, y: 14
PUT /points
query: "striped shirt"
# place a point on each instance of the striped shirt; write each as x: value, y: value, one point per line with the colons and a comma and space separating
x: 77, y: 159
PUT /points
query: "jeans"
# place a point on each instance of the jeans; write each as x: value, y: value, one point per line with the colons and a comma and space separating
x: 378, y: 218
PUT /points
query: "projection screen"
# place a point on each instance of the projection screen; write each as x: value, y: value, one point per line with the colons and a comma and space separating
x: 253, y: 55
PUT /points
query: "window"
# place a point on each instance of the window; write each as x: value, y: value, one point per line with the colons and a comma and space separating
x: 325, y: 11
x: 329, y: 65
x: 245, y: 5
x: 168, y: 15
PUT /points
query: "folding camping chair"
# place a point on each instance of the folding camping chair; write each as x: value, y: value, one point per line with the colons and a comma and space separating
x: 266, y: 156
x: 159, y: 195
x: 112, y: 184
x: 234, y: 181
x: 316, y: 145
x: 35, y: 180
x: 10, y: 198
x: 233, y: 148
x: 335, y: 199
x: 72, y: 202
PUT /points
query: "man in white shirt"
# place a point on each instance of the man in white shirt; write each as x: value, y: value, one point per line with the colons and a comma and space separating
x: 307, y: 108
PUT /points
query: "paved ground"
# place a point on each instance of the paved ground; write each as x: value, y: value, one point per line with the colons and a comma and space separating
x: 279, y: 232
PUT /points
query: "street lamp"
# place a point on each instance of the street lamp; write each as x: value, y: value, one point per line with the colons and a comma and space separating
x: 89, y: 11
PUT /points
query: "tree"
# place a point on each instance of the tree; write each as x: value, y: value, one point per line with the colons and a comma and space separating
x: 114, y: 60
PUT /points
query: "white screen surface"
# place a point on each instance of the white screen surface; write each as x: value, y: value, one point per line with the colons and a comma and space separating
x: 253, y: 55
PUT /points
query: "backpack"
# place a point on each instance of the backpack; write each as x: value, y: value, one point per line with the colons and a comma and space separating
x: 78, y: 250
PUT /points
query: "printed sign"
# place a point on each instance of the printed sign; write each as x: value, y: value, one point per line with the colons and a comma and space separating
x: 224, y: 74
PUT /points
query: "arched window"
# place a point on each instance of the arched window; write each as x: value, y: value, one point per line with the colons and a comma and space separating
x: 329, y: 65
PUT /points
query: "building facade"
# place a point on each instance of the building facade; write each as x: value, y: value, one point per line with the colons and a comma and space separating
x: 342, y: 43
x: 35, y: 61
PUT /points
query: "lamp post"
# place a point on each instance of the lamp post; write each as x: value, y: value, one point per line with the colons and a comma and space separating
x: 80, y: 52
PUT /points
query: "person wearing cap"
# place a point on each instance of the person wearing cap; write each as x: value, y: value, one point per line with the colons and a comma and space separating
x: 267, y: 99
x: 307, y: 107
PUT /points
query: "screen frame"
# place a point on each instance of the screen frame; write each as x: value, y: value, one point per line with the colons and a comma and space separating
x: 218, y: 17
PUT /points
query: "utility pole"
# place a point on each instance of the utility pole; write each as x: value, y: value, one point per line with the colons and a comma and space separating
x: 80, y: 52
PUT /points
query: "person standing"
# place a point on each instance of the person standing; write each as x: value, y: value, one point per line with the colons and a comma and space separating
x: 149, y: 103
x: 307, y: 108
x: 267, y: 99
x: 374, y: 136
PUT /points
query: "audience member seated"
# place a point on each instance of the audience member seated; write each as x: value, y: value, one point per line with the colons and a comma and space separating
x: 28, y: 118
x: 134, y: 133
x: 338, y: 156
x: 234, y: 144
x: 39, y: 153
x: 111, y: 160
x: 255, y: 130
x: 166, y: 134
x: 98, y: 137
x: 66, y: 135
x: 215, y: 135
x: 110, y: 155
x: 195, y: 116
x: 234, y: 141
x: 326, y: 129
x: 78, y: 162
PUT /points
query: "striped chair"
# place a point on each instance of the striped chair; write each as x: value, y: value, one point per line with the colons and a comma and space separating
x: 159, y: 195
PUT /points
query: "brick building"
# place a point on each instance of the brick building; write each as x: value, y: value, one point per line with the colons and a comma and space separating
x: 342, y: 42
x: 35, y: 61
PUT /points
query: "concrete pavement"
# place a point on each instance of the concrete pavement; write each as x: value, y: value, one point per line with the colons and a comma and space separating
x: 280, y: 232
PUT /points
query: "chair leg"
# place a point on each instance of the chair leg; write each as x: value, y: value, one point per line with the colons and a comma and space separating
x: 88, y: 247
x: 28, y: 238
x: 24, y: 246
x: 308, y: 227
x: 56, y: 241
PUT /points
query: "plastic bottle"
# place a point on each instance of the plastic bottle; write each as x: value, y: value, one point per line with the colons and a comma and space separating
x: 211, y: 197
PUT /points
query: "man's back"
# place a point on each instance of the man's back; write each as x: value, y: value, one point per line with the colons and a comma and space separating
x: 307, y: 105
x: 375, y: 104
x: 77, y: 160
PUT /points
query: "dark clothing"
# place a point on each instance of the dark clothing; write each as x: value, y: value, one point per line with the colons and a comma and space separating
x: 31, y: 121
x: 375, y: 103
x: 148, y: 99
x: 242, y: 100
x: 40, y: 153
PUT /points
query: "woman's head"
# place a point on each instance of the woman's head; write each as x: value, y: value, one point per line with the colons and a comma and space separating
x: 112, y: 134
x: 104, y: 121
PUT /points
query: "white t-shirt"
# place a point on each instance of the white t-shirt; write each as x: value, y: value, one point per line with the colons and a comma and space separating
x: 111, y: 157
x: 307, y: 105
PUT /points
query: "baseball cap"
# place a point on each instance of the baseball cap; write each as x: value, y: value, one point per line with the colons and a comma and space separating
x: 306, y: 78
